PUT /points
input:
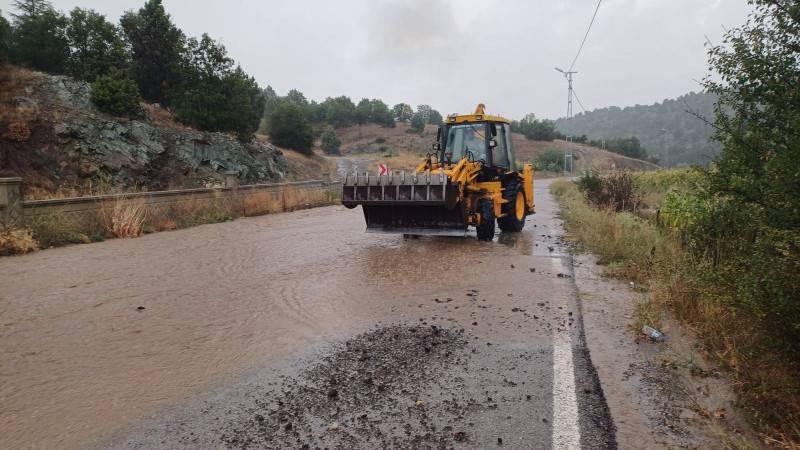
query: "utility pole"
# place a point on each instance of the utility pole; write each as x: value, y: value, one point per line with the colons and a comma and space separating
x: 568, y: 75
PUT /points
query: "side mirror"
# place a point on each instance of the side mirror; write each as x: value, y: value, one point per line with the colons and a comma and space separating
x: 492, y: 143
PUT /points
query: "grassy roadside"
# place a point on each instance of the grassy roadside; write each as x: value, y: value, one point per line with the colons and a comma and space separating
x: 635, y: 245
x: 129, y: 218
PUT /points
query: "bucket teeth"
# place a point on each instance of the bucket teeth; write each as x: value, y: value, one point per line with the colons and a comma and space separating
x: 414, y: 203
x: 424, y: 189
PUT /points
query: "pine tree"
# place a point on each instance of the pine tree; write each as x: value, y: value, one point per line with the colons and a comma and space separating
x: 158, y: 49
x: 38, y: 38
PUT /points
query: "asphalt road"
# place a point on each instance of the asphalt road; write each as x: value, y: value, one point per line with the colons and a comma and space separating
x: 296, y: 330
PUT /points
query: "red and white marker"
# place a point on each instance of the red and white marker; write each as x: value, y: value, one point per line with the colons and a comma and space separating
x: 382, y: 169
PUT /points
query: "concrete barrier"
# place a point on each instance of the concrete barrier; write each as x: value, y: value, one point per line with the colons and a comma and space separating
x: 14, y: 210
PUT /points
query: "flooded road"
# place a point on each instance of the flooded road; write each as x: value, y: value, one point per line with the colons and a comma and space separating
x: 105, y: 344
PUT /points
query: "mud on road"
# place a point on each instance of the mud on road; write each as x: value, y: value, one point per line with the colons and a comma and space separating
x: 363, y: 392
x: 300, y: 330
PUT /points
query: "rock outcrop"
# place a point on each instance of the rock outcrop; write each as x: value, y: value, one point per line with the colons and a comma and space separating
x: 69, y: 142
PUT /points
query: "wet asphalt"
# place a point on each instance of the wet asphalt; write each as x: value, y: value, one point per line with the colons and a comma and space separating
x: 301, y: 331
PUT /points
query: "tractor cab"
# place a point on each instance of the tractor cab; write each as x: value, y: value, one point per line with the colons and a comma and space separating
x: 477, y: 137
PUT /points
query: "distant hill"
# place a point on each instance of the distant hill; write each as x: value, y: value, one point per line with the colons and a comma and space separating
x: 364, y: 146
x: 667, y: 130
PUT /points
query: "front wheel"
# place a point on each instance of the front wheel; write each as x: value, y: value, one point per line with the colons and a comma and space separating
x: 515, y: 210
x: 485, y: 228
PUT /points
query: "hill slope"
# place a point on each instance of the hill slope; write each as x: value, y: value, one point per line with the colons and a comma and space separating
x: 364, y: 146
x: 668, y: 130
x: 54, y: 138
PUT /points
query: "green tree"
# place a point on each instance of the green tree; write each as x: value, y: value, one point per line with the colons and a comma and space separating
x: 216, y: 96
x: 330, y: 142
x: 158, y: 50
x: 363, y: 111
x: 96, y: 45
x: 339, y: 111
x: 5, y: 37
x: 754, y: 184
x: 380, y: 114
x: 435, y: 118
x: 551, y: 161
x: 116, y: 94
x: 425, y: 111
x: 418, y: 123
x: 289, y: 128
x: 537, y: 130
x: 39, y: 39
x: 402, y: 111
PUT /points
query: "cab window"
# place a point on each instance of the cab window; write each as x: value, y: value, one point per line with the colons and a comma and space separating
x: 463, y: 138
x: 506, y: 132
x: 500, y: 154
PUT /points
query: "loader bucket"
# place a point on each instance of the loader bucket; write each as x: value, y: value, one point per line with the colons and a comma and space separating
x: 406, y: 203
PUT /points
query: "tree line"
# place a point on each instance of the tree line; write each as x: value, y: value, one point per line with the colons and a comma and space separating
x: 293, y: 121
x: 143, y: 57
x: 146, y: 57
x: 675, y: 131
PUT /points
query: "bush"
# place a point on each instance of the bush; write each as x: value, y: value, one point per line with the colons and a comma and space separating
x: 117, y: 94
x: 417, y: 123
x: 550, y: 161
x: 330, y: 142
x: 288, y: 128
x: 616, y: 191
x: 16, y: 240
x: 57, y: 229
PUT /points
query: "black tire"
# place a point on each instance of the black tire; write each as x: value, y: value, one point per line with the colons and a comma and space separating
x: 485, y: 229
x: 511, y: 222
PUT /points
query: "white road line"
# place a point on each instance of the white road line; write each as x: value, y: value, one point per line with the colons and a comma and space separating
x: 566, y: 431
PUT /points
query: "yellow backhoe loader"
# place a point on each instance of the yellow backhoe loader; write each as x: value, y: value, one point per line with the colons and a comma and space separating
x: 469, y: 179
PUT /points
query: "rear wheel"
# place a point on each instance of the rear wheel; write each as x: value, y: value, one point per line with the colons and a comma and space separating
x: 515, y: 210
x: 485, y: 228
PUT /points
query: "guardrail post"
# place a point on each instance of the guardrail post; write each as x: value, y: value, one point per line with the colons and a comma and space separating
x: 232, y: 180
x: 10, y: 201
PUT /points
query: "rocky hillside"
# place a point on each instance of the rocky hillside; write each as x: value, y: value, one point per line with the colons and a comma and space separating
x: 53, y: 137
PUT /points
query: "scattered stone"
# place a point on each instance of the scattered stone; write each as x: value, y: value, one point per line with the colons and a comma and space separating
x: 140, y: 308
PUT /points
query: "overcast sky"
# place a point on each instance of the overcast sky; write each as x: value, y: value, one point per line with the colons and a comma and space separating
x: 452, y: 54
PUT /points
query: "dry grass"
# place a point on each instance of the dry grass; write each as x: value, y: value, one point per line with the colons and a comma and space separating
x: 288, y: 199
x: 15, y: 240
x: 162, y: 117
x: 16, y: 120
x: 128, y: 218
x: 124, y: 218
x: 636, y: 249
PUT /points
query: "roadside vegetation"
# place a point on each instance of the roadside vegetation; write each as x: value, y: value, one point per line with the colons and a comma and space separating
x: 129, y: 218
x: 720, y: 247
x: 639, y: 231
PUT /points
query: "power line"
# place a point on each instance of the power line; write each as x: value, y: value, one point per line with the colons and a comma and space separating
x: 575, y: 94
x: 585, y: 36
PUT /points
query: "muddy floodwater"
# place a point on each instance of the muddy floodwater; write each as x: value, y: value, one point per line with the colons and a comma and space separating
x: 98, y: 338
